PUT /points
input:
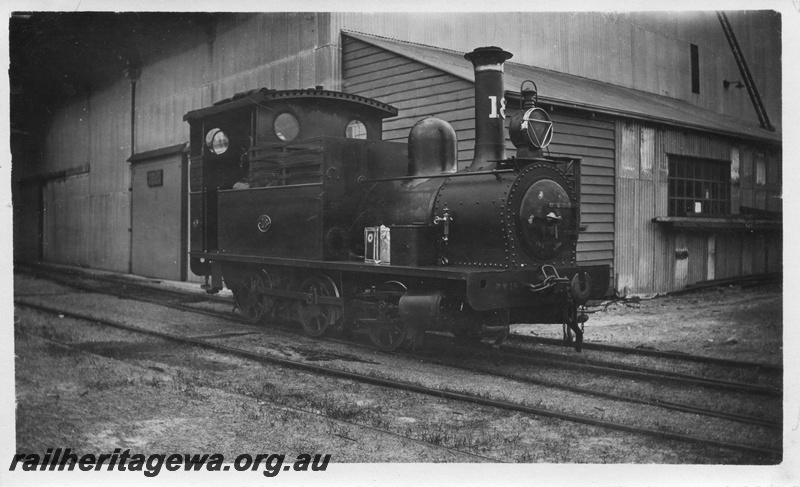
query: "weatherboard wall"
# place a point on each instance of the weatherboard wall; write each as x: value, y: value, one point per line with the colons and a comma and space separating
x: 419, y: 90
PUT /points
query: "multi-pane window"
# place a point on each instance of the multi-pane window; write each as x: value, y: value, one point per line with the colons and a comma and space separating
x: 698, y: 187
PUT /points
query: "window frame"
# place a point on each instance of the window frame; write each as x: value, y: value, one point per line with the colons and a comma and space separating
x: 694, y: 181
x: 694, y: 55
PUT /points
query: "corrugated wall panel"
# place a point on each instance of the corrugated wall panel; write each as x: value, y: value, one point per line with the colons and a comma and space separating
x: 246, y: 42
x: 27, y: 214
x: 107, y: 241
x: 643, y: 216
x: 110, y: 144
x: 636, y: 204
x: 698, y: 256
x: 650, y: 264
x: 774, y: 255
x: 663, y: 243
x: 680, y: 266
x: 88, y: 223
x: 68, y: 136
x: 627, y: 247
x: 747, y: 254
x: 774, y: 179
x: 65, y: 219
x: 82, y: 221
x: 760, y: 255
x: 729, y: 261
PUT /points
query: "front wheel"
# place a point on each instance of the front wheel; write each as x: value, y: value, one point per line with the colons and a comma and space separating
x: 387, y: 329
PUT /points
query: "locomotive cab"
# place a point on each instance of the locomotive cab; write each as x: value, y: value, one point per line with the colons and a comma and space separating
x: 260, y: 161
x: 224, y: 136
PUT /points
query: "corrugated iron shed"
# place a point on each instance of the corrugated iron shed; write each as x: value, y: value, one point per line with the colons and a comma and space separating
x: 560, y: 89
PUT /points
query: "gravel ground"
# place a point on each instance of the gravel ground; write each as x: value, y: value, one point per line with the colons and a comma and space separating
x: 147, y: 396
x: 727, y: 322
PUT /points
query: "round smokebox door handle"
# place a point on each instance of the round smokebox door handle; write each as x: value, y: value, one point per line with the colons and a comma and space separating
x: 552, y: 217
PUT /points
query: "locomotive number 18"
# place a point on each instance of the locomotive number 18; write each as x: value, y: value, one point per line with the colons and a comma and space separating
x: 495, y: 113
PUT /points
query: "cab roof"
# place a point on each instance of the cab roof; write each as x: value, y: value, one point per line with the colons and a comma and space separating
x: 262, y: 95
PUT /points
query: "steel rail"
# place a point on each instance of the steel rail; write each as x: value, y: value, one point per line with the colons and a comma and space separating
x: 651, y: 353
x: 77, y: 347
x: 446, y: 394
x: 633, y: 371
x: 650, y: 402
x: 555, y: 358
x: 511, y: 337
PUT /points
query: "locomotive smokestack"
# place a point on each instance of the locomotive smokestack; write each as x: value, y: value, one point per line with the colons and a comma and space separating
x: 490, y: 107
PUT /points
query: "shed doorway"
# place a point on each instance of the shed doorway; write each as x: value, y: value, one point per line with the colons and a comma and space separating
x: 158, y: 213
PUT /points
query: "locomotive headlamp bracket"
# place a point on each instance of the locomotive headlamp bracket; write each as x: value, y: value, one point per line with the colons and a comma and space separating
x: 445, y: 219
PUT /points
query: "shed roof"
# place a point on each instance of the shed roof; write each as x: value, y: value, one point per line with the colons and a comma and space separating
x: 560, y: 89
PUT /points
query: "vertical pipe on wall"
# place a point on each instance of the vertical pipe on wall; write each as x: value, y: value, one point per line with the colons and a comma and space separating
x: 132, y: 73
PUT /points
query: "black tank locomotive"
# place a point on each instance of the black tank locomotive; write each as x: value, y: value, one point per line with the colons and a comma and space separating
x: 300, y: 208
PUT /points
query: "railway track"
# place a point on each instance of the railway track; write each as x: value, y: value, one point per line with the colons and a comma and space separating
x: 515, y: 346
x: 631, y: 371
x: 553, y: 359
x: 477, y: 457
x: 516, y: 339
x: 644, y: 352
x: 647, y: 401
x: 404, y: 385
x: 538, y: 356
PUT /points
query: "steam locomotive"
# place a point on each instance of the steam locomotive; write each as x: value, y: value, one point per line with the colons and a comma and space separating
x: 300, y: 208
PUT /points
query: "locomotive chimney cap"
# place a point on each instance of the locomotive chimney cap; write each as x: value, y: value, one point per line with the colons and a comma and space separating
x: 490, y: 56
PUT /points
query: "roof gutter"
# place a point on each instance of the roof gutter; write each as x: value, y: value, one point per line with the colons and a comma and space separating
x: 543, y: 100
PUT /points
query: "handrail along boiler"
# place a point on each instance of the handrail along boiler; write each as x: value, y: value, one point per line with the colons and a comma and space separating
x: 302, y: 210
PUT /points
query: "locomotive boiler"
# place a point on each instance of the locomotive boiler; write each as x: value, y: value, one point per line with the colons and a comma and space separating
x: 301, y: 209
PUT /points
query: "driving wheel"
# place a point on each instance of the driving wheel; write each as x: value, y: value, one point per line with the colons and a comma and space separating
x: 250, y: 297
x: 388, y: 330
x: 317, y: 317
